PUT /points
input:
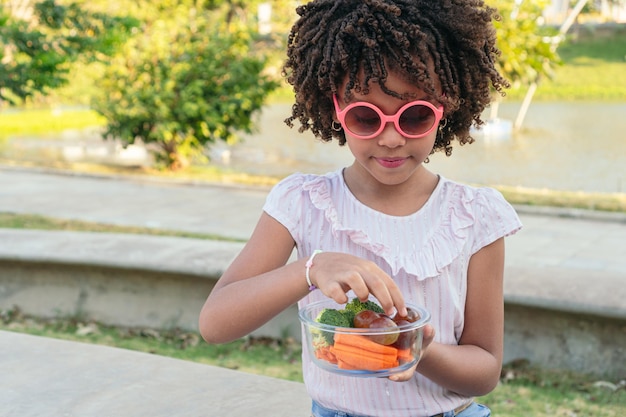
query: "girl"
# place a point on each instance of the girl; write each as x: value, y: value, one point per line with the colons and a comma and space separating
x: 395, y: 81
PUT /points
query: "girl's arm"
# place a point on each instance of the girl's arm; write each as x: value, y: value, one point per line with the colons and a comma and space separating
x: 473, y: 367
x: 259, y: 284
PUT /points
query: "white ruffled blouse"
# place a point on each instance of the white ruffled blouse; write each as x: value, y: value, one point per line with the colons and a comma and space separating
x: 427, y: 253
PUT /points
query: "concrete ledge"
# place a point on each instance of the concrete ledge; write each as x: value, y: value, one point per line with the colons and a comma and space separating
x: 128, y: 297
x: 571, y: 213
x: 49, y: 377
x: 206, y: 258
x: 134, y: 280
x: 564, y: 340
x: 117, y: 279
x: 569, y: 290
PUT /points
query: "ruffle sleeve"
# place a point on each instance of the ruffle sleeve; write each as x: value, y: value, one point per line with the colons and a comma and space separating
x: 495, y: 218
x: 285, y: 201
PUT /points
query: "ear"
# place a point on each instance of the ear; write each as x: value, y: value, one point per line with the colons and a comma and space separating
x: 332, y: 102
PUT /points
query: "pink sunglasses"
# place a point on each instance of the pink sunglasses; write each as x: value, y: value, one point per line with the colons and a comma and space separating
x: 364, y: 120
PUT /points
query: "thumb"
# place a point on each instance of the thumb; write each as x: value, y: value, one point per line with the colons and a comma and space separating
x: 428, y: 336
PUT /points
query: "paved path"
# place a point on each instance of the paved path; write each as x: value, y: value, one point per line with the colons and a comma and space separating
x: 43, y: 377
x: 573, y: 260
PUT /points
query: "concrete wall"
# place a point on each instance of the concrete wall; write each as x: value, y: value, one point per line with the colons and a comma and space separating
x: 158, y: 299
x: 565, y: 340
x: 116, y: 296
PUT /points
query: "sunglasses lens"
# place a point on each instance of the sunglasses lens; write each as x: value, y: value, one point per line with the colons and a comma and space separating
x: 416, y: 120
x: 362, y: 121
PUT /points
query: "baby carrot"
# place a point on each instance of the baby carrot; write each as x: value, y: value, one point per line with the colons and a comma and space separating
x: 364, y: 363
x: 355, y: 351
x: 324, y: 353
x: 405, y: 355
x: 362, y: 342
x: 350, y: 357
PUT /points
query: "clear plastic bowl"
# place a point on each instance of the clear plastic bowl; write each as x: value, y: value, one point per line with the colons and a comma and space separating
x: 356, y: 352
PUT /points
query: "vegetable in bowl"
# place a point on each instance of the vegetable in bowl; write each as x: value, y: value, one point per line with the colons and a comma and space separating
x: 358, y: 339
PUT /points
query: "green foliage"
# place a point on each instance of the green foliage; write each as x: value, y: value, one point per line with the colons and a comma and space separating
x: 526, y: 390
x: 38, y: 43
x: 184, y: 80
x: 527, y: 51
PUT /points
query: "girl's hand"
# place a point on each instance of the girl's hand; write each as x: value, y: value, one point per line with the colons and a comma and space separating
x: 337, y: 273
x: 429, y: 335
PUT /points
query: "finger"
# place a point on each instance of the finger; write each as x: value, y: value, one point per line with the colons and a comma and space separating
x: 428, y: 336
x: 336, y: 292
x: 380, y: 290
x: 357, y: 284
x: 389, y: 295
x: 404, y: 375
x: 398, y: 300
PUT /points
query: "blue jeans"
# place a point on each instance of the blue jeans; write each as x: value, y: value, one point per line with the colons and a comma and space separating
x: 474, y: 410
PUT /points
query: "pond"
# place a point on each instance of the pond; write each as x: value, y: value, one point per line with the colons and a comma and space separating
x: 562, y: 146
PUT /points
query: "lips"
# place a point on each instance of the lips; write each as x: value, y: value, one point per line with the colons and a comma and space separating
x: 391, y: 162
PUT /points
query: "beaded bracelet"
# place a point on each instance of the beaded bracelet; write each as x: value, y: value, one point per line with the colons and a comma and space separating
x: 308, y: 266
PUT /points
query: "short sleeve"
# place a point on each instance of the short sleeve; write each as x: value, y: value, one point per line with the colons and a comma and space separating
x: 494, y: 218
x: 285, y: 202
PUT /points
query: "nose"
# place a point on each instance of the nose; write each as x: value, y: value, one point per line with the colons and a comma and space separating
x: 390, y: 137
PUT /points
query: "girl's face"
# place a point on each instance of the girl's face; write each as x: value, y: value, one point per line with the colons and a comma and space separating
x: 390, y: 158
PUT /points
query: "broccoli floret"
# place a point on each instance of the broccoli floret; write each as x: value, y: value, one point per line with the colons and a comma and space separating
x: 332, y: 317
x: 349, y: 314
x: 319, y: 341
x: 357, y: 306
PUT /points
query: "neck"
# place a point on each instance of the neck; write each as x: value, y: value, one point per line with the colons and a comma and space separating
x: 394, y: 199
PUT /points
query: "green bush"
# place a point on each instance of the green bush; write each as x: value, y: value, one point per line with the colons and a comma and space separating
x: 188, y: 79
x: 36, y: 49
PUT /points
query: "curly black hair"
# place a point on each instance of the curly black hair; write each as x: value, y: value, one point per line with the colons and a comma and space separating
x: 364, y: 40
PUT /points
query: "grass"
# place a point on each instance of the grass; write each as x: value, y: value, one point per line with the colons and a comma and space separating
x: 593, y: 69
x: 523, y: 391
x: 610, y: 202
x: 34, y: 221
x: 43, y: 122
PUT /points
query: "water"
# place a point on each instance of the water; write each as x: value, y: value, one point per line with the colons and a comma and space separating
x: 562, y: 146
x: 576, y: 147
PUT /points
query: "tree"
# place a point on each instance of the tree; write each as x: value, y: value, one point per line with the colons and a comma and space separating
x: 527, y: 52
x: 188, y: 78
x: 38, y: 42
x: 528, y: 49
